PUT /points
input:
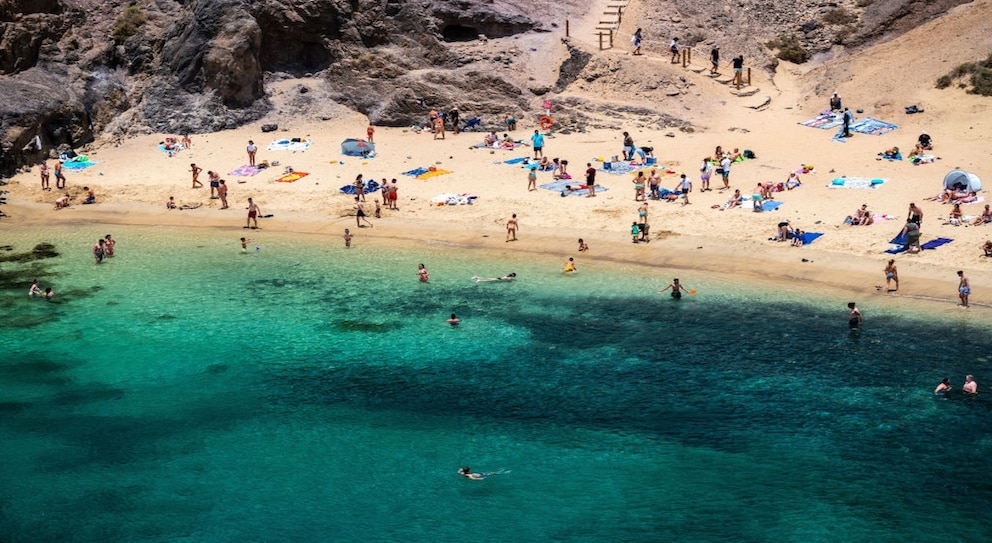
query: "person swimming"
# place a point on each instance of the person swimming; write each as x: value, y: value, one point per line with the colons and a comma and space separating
x: 466, y: 471
x: 508, y: 277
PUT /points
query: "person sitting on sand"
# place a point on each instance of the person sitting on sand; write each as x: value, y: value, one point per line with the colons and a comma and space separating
x: 507, y: 277
x: 797, y: 238
x: 835, y: 103
x: 736, y: 155
x: 734, y: 200
x: 793, y: 181
x: 954, y: 217
x: 170, y: 203
x: 923, y: 143
x: 491, y: 139
x: 583, y: 246
x: 90, y: 197
x: 984, y: 218
x: 544, y: 165
x: 507, y: 142
x: 861, y: 217
x: 987, y: 247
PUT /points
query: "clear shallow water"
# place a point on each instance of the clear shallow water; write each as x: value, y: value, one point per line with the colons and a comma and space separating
x: 185, y: 392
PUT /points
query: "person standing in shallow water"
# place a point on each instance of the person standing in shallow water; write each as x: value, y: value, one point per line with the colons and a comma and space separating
x: 891, y: 274
x: 964, y: 288
x: 854, y: 318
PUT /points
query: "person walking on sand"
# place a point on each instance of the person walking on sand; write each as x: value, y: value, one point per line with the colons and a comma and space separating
x: 222, y: 193
x: 347, y: 238
x: 537, y: 141
x: 738, y: 64
x: 636, y: 40
x: 531, y: 179
x: 511, y: 228
x: 685, y: 185
x: 964, y: 288
x: 196, y: 175
x: 891, y: 274
x: 370, y: 132
x: 360, y: 214
x: 360, y: 187
x: 439, y: 127
x: 714, y: 60
x: 590, y: 180
x: 705, y: 170
x: 674, y: 48
x: 45, y: 176
x: 854, y: 318
x: 214, y: 179
x: 253, y: 211
x: 252, y: 149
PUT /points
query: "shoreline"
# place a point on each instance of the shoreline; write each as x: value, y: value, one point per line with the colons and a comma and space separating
x: 834, y: 272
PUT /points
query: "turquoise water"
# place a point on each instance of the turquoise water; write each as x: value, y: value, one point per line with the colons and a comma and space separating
x: 182, y: 391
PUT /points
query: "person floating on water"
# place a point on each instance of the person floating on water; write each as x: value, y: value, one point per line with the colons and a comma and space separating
x: 507, y: 277
x: 677, y: 288
x: 854, y: 319
x: 466, y: 471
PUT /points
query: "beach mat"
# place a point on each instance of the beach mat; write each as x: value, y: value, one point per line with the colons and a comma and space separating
x: 416, y: 171
x: 902, y: 247
x: 517, y: 160
x: 824, y: 121
x: 292, y: 176
x: 73, y: 164
x: 810, y: 237
x: 559, y: 187
x: 620, y: 168
x: 872, y: 127
x: 934, y: 243
x: 175, y: 148
x: 295, y: 144
x: 433, y: 173
x: 370, y: 186
x: 767, y: 205
x: 245, y: 170
x: 856, y: 183
x: 450, y: 199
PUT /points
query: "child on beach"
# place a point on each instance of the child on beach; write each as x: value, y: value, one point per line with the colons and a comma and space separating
x: 171, y: 203
x: 244, y: 245
x: 378, y: 209
x: 583, y: 246
x: 635, y: 231
x: 570, y: 265
x: 347, y: 237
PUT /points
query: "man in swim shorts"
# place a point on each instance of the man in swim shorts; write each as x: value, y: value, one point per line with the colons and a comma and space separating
x: 511, y: 228
x: 538, y: 141
x: 591, y: 179
x: 964, y: 288
x: 676, y: 287
x: 252, y: 214
x: 854, y: 318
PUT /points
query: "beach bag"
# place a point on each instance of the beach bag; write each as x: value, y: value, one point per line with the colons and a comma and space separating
x: 748, y: 153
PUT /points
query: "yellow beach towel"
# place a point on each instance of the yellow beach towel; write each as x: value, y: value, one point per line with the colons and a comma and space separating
x: 432, y: 173
x: 292, y: 176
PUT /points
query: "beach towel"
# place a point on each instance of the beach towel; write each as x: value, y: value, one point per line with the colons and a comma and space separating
x: 810, y: 237
x: 872, y: 127
x: 619, y: 168
x: 559, y: 187
x: 175, y: 148
x: 295, y: 144
x: 416, y: 171
x: 245, y: 170
x: 824, y: 121
x: 767, y: 205
x: 856, y: 183
x: 432, y: 173
x: 922, y: 159
x: 934, y: 243
x: 78, y: 162
x: 449, y: 199
x: 370, y: 186
x: 292, y: 176
x: 497, y: 147
x: 517, y: 160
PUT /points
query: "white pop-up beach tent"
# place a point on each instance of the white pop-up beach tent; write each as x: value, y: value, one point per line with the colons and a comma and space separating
x: 963, y: 181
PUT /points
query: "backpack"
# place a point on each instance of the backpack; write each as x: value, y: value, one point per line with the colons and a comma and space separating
x: 748, y: 153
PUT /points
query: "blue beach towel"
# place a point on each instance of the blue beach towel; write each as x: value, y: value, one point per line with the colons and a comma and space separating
x: 78, y: 162
x: 415, y: 172
x: 768, y: 205
x: 872, y: 127
x: 517, y: 160
x: 370, y: 186
x: 810, y: 237
x: 934, y: 243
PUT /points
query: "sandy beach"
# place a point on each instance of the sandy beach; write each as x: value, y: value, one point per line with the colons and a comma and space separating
x: 133, y: 179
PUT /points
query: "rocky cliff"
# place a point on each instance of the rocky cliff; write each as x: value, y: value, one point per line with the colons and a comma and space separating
x: 75, y: 70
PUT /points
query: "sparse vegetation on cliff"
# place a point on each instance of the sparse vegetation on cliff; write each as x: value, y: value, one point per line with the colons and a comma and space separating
x: 978, y: 75
x: 790, y: 48
x: 128, y: 23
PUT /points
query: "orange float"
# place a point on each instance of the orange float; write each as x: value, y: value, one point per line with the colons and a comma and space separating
x: 547, y: 122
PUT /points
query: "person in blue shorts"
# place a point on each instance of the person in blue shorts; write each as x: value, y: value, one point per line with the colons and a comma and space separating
x: 854, y: 319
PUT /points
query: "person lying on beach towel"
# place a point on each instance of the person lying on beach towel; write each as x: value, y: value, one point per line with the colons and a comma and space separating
x: 891, y: 154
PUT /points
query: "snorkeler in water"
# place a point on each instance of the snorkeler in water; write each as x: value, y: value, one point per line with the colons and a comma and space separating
x: 507, y: 277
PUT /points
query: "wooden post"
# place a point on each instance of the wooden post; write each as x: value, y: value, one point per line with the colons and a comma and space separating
x: 689, y: 50
x: 685, y: 56
x: 611, y: 39
x: 600, y: 41
x: 619, y: 15
x: 748, y: 76
x: 566, y: 28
